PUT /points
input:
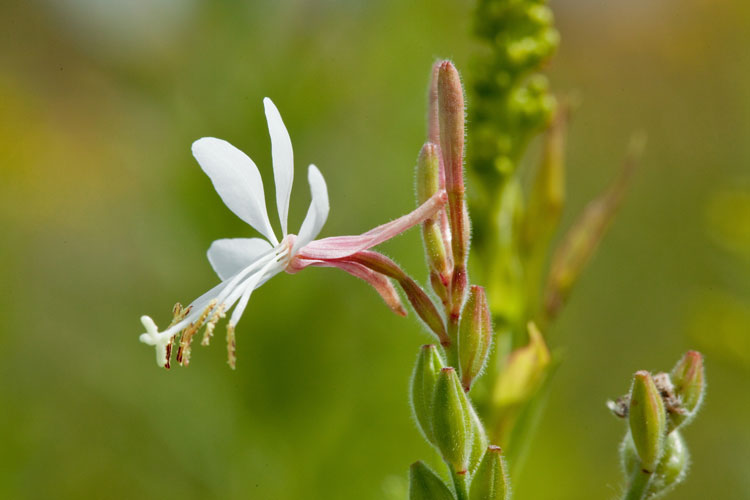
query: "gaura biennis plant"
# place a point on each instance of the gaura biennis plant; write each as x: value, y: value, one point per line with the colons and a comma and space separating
x: 512, y: 237
x: 244, y: 264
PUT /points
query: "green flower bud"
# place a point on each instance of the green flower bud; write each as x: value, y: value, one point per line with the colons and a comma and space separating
x: 474, y: 336
x: 424, y: 484
x: 673, y: 466
x: 423, y: 382
x: 451, y: 421
x: 490, y: 482
x: 648, y: 420
x: 428, y: 172
x: 428, y: 183
x: 688, y: 379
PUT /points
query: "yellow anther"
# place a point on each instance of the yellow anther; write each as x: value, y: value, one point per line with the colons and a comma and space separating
x: 211, y: 324
x: 231, y: 347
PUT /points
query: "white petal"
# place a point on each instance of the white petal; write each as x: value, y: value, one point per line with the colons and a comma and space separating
x: 229, y: 256
x: 237, y: 180
x: 318, y: 211
x: 283, y: 160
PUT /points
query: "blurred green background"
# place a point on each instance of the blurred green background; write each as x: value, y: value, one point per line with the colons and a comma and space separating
x: 106, y: 216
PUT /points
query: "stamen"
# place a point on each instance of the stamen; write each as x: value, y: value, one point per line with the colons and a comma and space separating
x: 231, y: 347
x: 215, y: 317
x: 167, y: 365
x: 179, y: 313
x: 183, y: 353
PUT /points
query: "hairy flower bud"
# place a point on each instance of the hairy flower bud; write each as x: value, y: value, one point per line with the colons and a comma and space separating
x: 673, y: 465
x: 424, y: 484
x: 474, y: 336
x: 688, y: 379
x: 451, y: 118
x: 428, y: 183
x: 647, y: 420
x: 422, y: 395
x: 459, y: 283
x: 490, y: 481
x: 452, y: 423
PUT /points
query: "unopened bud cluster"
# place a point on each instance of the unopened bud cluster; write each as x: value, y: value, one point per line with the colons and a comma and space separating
x: 441, y: 166
x: 444, y: 373
x: 657, y: 407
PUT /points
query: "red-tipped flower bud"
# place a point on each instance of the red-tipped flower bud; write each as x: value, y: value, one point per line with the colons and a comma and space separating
x: 451, y: 116
x: 689, y: 383
x: 490, y: 482
x: 474, y: 336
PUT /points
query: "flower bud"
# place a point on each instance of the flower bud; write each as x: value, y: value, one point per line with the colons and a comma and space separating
x: 523, y: 372
x: 433, y: 122
x: 459, y: 283
x: 688, y: 379
x: 490, y: 482
x: 428, y: 183
x: 647, y: 420
x: 673, y: 465
x: 423, y: 382
x: 451, y: 118
x: 424, y: 484
x: 451, y: 420
x: 474, y: 336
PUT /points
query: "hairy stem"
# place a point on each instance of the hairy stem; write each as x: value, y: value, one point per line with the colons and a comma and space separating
x: 638, y: 485
x: 460, y: 483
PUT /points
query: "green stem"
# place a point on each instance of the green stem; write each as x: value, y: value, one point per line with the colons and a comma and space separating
x: 460, y: 483
x: 638, y: 486
x: 451, y: 351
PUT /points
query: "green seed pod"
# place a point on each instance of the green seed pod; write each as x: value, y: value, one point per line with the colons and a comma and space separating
x: 688, y: 379
x: 451, y: 421
x: 424, y: 484
x: 474, y: 336
x: 648, y: 420
x: 423, y: 382
x: 490, y: 482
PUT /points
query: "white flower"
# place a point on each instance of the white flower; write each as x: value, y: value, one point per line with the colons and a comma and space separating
x: 244, y: 264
